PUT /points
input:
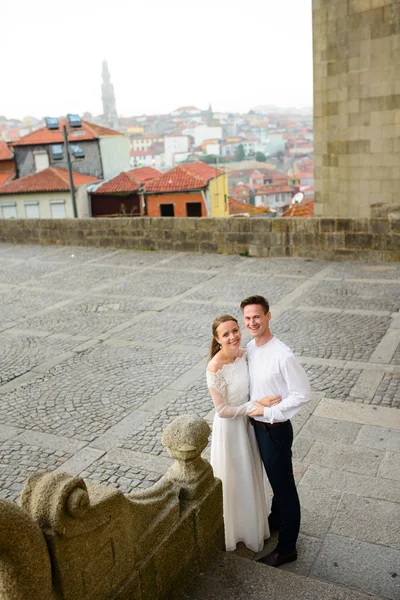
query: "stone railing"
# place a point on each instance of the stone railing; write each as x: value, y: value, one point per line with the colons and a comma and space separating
x: 72, y: 541
x: 330, y: 239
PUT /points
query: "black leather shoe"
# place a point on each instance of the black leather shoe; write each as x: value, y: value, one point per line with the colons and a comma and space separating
x: 277, y: 559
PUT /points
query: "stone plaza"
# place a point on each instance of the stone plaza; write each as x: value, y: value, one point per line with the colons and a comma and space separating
x: 100, y: 349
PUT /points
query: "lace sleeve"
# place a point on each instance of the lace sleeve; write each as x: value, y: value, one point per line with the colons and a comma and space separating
x: 217, y: 387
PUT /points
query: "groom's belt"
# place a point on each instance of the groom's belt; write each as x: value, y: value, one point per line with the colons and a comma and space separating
x: 263, y: 425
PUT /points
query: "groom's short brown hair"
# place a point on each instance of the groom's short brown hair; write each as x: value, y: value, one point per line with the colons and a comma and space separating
x: 260, y: 300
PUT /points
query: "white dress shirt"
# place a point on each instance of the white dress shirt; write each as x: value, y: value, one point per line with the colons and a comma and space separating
x: 275, y: 371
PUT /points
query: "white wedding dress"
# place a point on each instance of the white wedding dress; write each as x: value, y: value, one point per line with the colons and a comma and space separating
x: 235, y: 458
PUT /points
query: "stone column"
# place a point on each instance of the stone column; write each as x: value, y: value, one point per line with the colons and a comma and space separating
x: 356, y: 105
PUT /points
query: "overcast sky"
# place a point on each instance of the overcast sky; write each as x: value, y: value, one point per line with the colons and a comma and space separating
x: 161, y: 54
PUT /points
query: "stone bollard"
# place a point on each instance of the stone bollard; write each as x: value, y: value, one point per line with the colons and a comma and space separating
x: 185, y: 439
x: 25, y: 570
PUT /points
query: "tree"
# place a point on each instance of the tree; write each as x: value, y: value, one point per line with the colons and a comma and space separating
x: 260, y: 157
x: 210, y: 159
x: 239, y: 153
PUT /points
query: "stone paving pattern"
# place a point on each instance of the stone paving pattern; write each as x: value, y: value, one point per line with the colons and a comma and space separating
x: 18, y: 461
x: 100, y: 349
x: 333, y: 381
x: 121, y: 477
x: 349, y: 336
x: 147, y: 437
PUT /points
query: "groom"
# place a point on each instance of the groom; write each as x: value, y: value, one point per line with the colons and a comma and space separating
x: 275, y: 371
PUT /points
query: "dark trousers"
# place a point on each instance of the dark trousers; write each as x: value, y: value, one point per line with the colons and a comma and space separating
x: 275, y: 446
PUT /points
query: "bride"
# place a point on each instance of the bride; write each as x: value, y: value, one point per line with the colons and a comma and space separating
x: 235, y: 456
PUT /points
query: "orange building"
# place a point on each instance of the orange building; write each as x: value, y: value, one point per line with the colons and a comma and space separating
x: 7, y: 165
x: 176, y: 204
x: 190, y: 190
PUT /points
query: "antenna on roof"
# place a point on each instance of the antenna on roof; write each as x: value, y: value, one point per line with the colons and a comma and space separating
x: 297, y: 198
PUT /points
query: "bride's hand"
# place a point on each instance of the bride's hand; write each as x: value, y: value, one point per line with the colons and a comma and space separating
x: 258, y: 412
x: 270, y: 400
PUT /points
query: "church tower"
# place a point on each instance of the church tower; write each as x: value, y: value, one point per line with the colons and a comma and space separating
x: 210, y: 115
x: 108, y: 98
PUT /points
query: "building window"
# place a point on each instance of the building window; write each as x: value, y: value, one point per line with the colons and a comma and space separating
x: 57, y: 209
x: 8, y: 210
x: 57, y: 151
x: 193, y: 209
x: 32, y: 210
x: 167, y: 210
x: 41, y: 159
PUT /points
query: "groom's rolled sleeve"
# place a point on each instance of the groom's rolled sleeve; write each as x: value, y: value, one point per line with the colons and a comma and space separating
x: 298, y: 392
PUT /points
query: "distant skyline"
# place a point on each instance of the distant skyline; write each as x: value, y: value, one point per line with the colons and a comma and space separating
x: 236, y: 55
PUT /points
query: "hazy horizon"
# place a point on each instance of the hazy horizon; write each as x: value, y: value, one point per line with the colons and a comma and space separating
x: 278, y: 108
x: 160, y: 57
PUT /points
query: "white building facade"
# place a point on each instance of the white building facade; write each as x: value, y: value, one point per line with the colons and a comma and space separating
x: 175, y: 144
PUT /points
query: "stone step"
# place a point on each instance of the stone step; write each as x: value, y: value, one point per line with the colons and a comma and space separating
x: 231, y: 577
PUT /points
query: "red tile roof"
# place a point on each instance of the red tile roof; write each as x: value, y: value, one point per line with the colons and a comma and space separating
x: 126, y: 181
x: 120, y: 183
x: 48, y: 180
x: 202, y: 169
x: 240, y: 188
x: 5, y: 152
x: 144, y: 174
x: 185, y: 108
x: 6, y: 176
x: 304, y: 165
x: 208, y: 142
x: 236, y: 207
x: 273, y: 189
x: 240, y: 192
x: 141, y: 153
x: 175, y: 180
x: 13, y: 133
x: 305, y: 174
x: 304, y: 209
x: 88, y: 131
x: 276, y: 176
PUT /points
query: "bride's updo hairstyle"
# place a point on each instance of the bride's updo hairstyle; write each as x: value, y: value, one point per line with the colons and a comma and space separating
x: 214, y: 348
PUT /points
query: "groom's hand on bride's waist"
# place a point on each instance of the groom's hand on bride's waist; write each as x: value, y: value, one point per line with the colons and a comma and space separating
x: 270, y: 400
x: 258, y: 410
x: 259, y: 406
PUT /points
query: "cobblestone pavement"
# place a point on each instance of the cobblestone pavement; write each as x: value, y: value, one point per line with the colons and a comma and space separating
x: 122, y: 477
x: 194, y: 400
x: 349, y: 336
x: 18, y: 461
x: 100, y: 349
x: 353, y: 294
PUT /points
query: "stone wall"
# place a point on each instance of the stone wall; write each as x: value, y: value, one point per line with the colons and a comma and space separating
x: 356, y: 105
x: 72, y: 541
x: 330, y: 239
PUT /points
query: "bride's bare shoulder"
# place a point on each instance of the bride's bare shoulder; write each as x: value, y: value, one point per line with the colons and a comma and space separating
x: 242, y: 351
x: 214, y: 365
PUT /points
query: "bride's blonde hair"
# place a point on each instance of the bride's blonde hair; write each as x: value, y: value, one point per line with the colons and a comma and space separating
x: 214, y: 348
